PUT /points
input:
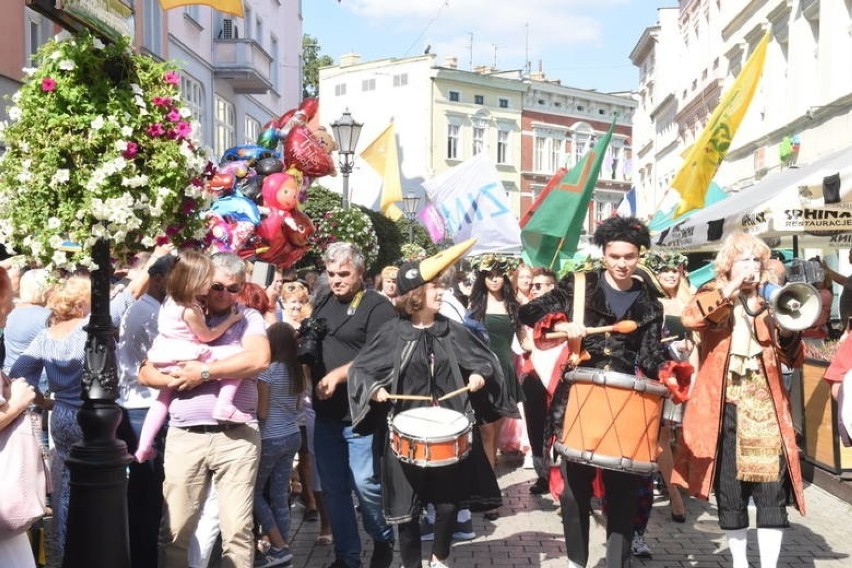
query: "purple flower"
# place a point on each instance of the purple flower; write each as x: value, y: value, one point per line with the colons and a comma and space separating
x: 183, y: 129
x: 48, y: 85
x: 172, y: 77
x: 131, y: 151
x: 173, y: 115
x: 156, y: 130
x: 162, y: 101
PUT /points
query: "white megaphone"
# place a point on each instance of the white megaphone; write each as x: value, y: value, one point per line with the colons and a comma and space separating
x: 796, y: 306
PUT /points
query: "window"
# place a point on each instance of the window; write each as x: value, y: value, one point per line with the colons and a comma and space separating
x: 580, y: 108
x: 38, y: 31
x: 400, y: 80
x: 540, y: 154
x: 502, y: 146
x: 273, y: 71
x: 193, y: 12
x: 252, y: 130
x: 258, y: 30
x: 478, y: 139
x: 454, y: 96
x: 368, y: 85
x: 478, y: 99
x: 504, y: 103
x: 193, y: 96
x: 555, y: 153
x: 340, y: 90
x: 453, y: 141
x: 601, y: 111
x: 225, y: 122
x: 152, y: 40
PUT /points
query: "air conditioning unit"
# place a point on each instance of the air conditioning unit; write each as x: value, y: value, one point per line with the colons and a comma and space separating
x: 229, y: 30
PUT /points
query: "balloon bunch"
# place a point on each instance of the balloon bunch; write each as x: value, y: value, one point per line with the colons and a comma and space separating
x: 256, y: 213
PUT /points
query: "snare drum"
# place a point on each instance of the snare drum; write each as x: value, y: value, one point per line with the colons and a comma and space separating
x: 430, y: 436
x: 612, y: 420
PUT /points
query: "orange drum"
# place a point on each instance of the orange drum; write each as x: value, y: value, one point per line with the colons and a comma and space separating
x: 612, y: 420
x: 430, y: 436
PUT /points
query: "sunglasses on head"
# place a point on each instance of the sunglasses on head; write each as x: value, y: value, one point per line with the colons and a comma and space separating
x: 219, y: 287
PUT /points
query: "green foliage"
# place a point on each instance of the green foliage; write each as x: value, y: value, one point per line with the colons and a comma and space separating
x: 390, y: 242
x: 99, y: 145
x: 312, y: 60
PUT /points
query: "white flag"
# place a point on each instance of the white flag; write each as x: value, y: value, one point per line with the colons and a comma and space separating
x: 473, y: 203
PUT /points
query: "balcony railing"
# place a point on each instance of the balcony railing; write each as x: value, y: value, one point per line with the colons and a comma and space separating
x: 243, y: 63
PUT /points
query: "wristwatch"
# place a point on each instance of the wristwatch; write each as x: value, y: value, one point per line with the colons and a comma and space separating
x: 205, y: 373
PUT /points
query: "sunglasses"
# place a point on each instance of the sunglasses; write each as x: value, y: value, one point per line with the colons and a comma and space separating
x: 540, y: 285
x: 232, y: 289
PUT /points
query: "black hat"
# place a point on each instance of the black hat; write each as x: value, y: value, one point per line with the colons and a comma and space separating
x: 163, y: 265
x: 414, y: 274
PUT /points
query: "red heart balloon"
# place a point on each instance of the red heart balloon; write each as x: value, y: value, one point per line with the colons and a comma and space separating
x: 304, y: 151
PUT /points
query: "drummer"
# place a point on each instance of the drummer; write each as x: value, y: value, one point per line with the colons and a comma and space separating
x: 426, y: 355
x: 611, y: 294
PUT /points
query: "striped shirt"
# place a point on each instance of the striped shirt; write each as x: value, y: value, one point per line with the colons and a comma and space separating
x: 283, y: 412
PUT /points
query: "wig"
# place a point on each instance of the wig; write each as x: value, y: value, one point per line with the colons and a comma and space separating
x: 735, y: 245
x: 625, y: 229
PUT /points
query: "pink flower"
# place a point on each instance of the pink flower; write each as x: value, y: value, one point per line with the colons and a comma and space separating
x: 48, y: 85
x: 131, y: 151
x: 173, y: 115
x: 161, y: 240
x: 173, y: 230
x: 172, y: 77
x: 156, y: 130
x: 162, y: 101
x: 183, y: 129
x: 188, y: 206
x: 171, y: 134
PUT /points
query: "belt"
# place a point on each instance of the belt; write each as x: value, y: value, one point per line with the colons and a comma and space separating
x: 209, y: 428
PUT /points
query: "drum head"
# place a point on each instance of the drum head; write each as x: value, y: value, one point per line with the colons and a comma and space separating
x: 430, y: 422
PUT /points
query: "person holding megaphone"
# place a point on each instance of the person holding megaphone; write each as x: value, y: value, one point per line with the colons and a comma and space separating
x: 738, y: 431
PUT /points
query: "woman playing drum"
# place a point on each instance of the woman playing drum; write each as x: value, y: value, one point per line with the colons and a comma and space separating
x: 737, y: 430
x: 416, y: 363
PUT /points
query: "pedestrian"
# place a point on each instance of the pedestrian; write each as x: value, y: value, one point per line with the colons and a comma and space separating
x: 183, y: 335
x: 199, y: 448
x: 609, y: 295
x: 346, y: 461
x: 738, y: 436
x: 278, y: 390
x: 426, y: 357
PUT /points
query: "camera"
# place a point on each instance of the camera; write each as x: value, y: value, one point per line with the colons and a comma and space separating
x: 311, y: 333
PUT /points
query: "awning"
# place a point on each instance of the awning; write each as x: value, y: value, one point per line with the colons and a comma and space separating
x: 792, y: 202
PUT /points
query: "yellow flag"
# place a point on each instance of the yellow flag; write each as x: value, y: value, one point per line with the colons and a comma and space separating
x: 705, y: 156
x: 234, y: 7
x: 382, y: 156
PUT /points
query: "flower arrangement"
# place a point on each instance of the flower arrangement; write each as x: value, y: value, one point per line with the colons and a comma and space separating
x: 350, y: 225
x: 411, y: 252
x: 495, y: 261
x: 662, y: 261
x: 98, y: 146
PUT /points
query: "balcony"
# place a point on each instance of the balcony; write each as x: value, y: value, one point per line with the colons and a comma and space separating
x: 244, y: 64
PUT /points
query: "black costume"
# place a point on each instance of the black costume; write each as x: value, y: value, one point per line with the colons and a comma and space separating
x: 398, y: 359
x: 622, y: 353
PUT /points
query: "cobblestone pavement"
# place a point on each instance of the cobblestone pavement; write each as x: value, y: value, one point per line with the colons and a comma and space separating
x: 529, y: 534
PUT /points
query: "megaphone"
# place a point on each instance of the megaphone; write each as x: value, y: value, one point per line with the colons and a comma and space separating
x: 796, y: 306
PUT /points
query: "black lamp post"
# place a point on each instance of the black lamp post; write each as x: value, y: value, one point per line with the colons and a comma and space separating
x: 409, y: 207
x: 97, y: 533
x: 346, y: 132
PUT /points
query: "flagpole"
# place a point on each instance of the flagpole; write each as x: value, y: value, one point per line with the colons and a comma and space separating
x: 556, y: 254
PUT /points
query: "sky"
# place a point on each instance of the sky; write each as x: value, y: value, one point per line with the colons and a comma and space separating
x: 584, y: 43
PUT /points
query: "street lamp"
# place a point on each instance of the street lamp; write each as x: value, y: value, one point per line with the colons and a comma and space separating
x: 346, y: 133
x: 409, y: 207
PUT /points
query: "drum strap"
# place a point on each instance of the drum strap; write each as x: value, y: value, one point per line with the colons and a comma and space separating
x: 579, y: 307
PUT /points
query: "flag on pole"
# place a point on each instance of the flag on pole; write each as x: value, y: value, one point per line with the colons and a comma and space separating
x: 708, y: 152
x: 234, y: 7
x: 550, y: 230
x: 472, y: 202
x: 627, y: 207
x: 382, y: 156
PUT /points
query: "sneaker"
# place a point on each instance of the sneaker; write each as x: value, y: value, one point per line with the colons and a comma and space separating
x: 639, y: 547
x: 382, y: 554
x: 275, y: 557
x: 463, y: 531
x: 427, y: 529
x: 540, y: 487
x: 437, y: 564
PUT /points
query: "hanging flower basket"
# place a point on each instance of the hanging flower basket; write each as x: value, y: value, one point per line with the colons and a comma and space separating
x: 99, y: 145
x: 350, y: 225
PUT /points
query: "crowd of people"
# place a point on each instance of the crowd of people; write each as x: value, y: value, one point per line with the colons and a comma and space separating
x: 240, y: 397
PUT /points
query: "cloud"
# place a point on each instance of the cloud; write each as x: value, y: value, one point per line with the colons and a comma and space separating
x: 504, y: 26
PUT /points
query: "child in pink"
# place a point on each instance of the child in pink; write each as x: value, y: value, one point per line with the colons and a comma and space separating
x: 183, y: 336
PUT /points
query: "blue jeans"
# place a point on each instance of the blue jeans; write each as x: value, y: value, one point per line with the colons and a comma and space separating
x: 346, y: 463
x: 276, y: 465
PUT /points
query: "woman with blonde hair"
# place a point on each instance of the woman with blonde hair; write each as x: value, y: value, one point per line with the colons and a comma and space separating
x: 738, y: 437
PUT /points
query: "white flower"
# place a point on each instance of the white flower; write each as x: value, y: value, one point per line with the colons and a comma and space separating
x: 185, y: 112
x: 97, y: 123
x: 25, y: 148
x: 121, y: 145
x: 99, y: 231
x: 60, y: 176
x: 55, y: 55
x: 67, y: 65
x: 140, y: 102
x: 29, y: 70
x: 58, y: 258
x: 14, y: 113
x: 136, y: 89
x: 54, y: 223
x: 55, y: 241
x: 127, y: 131
x: 148, y: 242
x: 98, y: 44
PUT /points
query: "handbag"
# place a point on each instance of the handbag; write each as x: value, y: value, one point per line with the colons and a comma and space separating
x: 23, y: 469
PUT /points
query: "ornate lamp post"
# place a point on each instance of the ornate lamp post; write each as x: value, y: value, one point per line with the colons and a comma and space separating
x: 346, y: 133
x: 409, y: 207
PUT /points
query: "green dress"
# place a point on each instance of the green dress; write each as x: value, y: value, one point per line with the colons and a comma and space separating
x: 500, y: 335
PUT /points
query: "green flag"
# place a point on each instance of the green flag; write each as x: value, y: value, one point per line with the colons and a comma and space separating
x: 551, y: 228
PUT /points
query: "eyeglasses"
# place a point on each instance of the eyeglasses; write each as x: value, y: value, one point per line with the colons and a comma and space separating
x: 232, y: 289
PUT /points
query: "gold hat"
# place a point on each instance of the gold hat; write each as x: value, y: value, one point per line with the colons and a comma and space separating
x: 415, y: 274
